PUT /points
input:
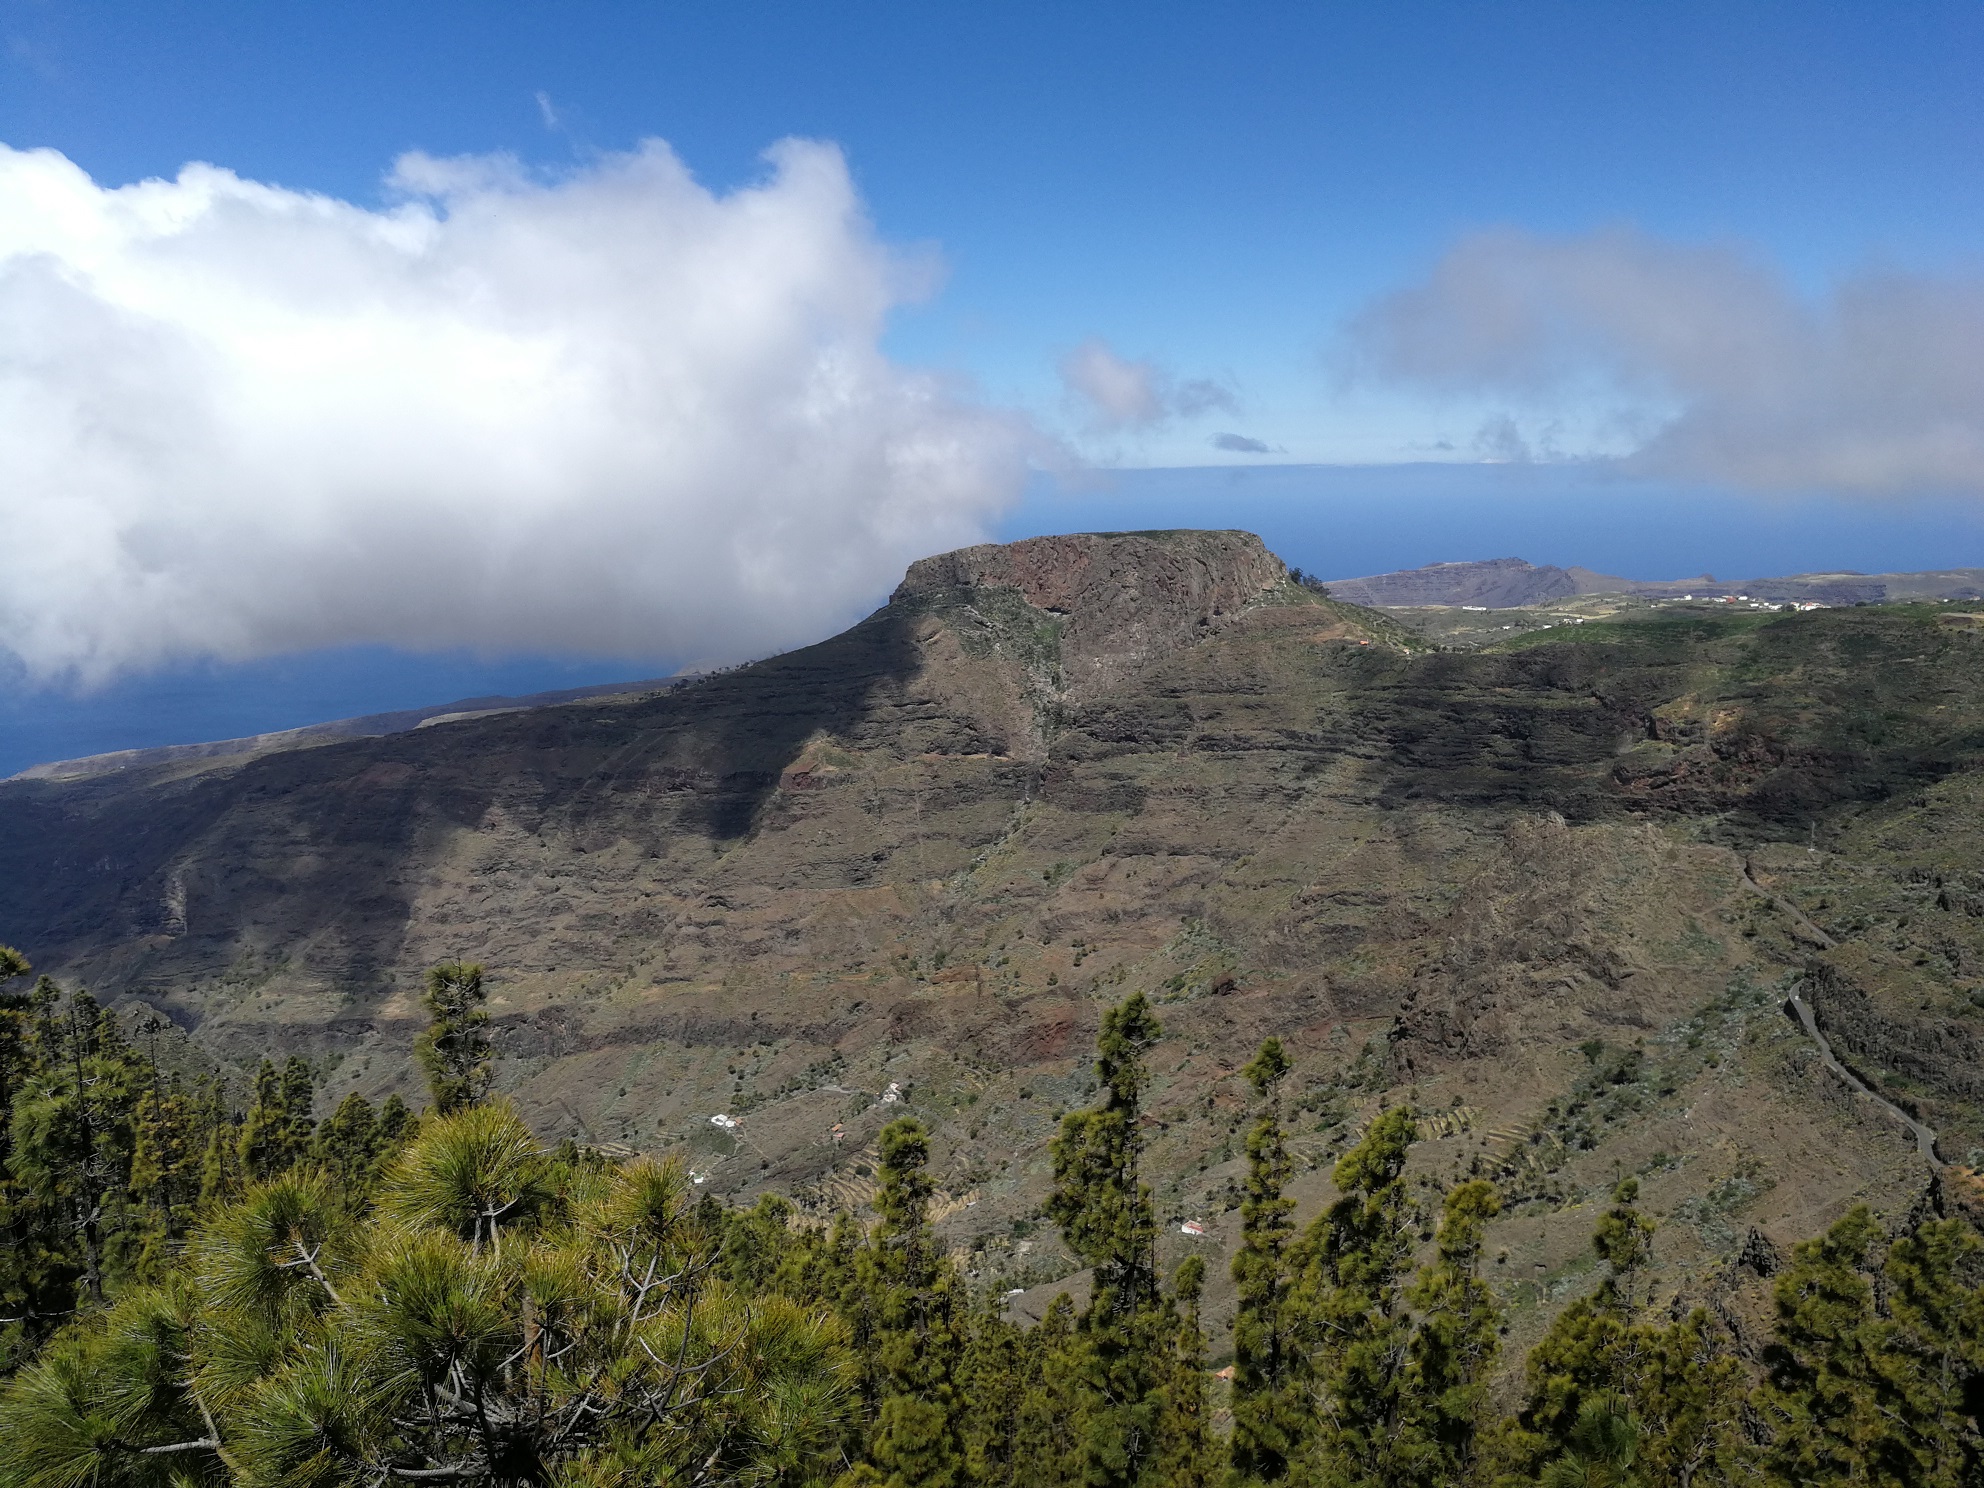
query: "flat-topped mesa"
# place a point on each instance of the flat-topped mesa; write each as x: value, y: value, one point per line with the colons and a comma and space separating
x: 1123, y: 598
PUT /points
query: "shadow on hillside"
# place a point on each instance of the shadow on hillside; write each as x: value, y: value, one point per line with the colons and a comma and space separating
x: 749, y: 725
x: 150, y: 883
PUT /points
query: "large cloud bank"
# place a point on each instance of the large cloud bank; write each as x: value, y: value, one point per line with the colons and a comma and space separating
x: 1712, y: 361
x: 608, y: 413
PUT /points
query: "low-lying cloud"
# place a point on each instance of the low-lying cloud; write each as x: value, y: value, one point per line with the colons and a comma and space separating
x: 1241, y: 444
x: 609, y: 413
x: 1712, y: 362
x: 1115, y: 394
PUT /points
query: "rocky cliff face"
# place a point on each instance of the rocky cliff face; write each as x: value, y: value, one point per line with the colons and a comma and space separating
x: 1119, y: 600
x: 923, y: 856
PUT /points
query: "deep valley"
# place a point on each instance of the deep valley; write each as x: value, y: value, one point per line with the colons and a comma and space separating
x: 1554, y: 892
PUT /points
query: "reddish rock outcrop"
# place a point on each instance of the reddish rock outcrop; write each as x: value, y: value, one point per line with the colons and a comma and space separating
x: 1123, y: 599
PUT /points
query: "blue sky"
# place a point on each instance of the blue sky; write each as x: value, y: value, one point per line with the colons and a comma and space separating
x: 1215, y: 187
x: 1276, y: 222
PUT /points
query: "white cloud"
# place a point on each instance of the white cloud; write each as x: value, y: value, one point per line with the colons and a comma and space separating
x: 1242, y: 444
x: 608, y: 413
x: 1116, y: 394
x: 1708, y: 363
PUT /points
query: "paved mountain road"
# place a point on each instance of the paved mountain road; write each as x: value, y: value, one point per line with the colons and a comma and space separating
x: 1925, y: 1138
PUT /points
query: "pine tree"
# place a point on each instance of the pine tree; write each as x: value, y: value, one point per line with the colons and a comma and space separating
x: 995, y: 1372
x: 1602, y: 1450
x: 1935, y: 1297
x: 1821, y: 1397
x: 758, y: 1246
x: 116, y: 1079
x: 72, y: 1133
x: 35, y: 1274
x: 276, y: 1134
x: 1186, y: 1449
x: 220, y: 1167
x: 16, y: 1046
x: 398, y: 1124
x: 1356, y: 1254
x: 1691, y: 1395
x: 345, y: 1144
x: 1624, y: 1238
x: 1453, y: 1345
x: 1270, y: 1415
x: 299, y: 1098
x: 1051, y: 1430
x: 18, y: 1066
x: 355, y: 1144
x: 1574, y: 1363
x: 165, y: 1170
x: 1599, y: 1377
x: 474, y: 1328
x: 45, y: 1022
x: 453, y: 1052
x: 1880, y: 1400
x: 263, y: 1144
x: 917, y: 1313
x: 1104, y: 1212
x: 58, y: 1143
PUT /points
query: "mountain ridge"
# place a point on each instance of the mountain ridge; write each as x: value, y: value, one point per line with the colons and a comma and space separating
x: 1513, y: 886
x: 361, y: 726
x: 1498, y: 583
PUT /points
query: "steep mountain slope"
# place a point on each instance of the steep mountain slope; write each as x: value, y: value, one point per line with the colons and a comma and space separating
x: 1555, y: 894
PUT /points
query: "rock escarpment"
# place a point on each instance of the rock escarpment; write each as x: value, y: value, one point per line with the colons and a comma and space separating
x: 1119, y: 600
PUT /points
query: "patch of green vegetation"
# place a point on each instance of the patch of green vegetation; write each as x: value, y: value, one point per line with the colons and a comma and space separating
x: 1710, y: 1213
x: 991, y: 620
x: 820, y: 1072
x: 1209, y: 961
x: 1656, y: 632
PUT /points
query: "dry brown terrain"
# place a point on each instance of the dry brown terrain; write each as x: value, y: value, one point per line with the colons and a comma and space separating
x: 907, y: 868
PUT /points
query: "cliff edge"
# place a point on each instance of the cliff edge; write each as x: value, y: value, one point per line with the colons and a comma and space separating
x: 1121, y: 599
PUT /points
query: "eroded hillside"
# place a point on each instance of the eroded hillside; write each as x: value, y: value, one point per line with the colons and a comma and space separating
x: 1553, y: 893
